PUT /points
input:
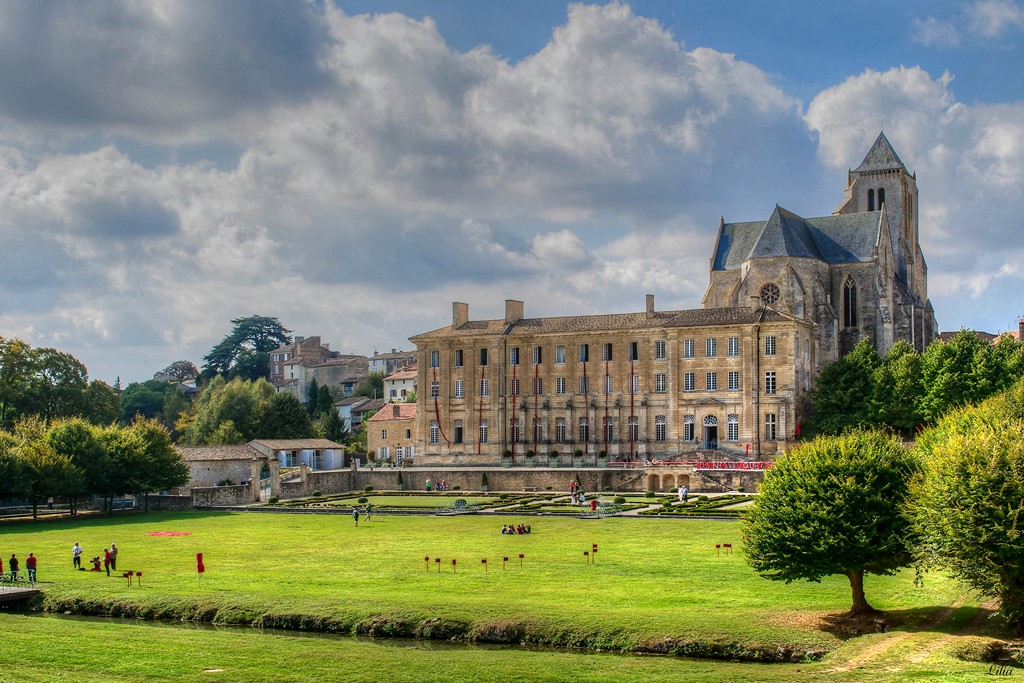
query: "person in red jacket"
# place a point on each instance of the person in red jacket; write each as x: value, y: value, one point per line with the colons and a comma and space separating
x: 30, y: 565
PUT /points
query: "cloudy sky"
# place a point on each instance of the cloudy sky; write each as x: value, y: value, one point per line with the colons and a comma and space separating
x: 353, y: 167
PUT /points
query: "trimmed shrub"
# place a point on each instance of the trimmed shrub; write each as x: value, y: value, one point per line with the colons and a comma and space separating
x: 547, y: 488
x: 456, y: 488
x: 673, y: 490
x: 317, y: 493
x: 362, y: 501
x: 649, y: 494
x: 619, y: 500
x: 502, y: 496
x: 608, y: 487
x: 272, y: 500
x: 367, y: 488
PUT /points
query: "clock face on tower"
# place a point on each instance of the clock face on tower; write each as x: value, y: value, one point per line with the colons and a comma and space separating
x: 769, y: 294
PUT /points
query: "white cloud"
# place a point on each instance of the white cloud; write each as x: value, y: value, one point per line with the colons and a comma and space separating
x: 994, y: 18
x: 935, y: 32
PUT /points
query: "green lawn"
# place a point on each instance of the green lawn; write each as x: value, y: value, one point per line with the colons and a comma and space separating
x: 652, y: 578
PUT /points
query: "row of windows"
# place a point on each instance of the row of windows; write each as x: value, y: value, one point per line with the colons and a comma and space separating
x: 689, y: 384
x: 632, y: 352
x: 608, y: 429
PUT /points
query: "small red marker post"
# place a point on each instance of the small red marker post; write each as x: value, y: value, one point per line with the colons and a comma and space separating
x: 453, y: 566
x: 426, y: 561
x: 593, y: 554
x: 484, y: 563
x: 504, y: 560
x: 586, y: 555
x: 718, y: 548
x: 520, y: 559
x: 728, y: 548
x: 437, y: 561
x: 138, y: 578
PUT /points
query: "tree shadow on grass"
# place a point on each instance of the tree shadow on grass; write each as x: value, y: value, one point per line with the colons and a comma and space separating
x: 936, y: 619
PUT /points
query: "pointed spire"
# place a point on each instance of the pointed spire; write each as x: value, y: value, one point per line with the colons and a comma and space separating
x: 881, y: 157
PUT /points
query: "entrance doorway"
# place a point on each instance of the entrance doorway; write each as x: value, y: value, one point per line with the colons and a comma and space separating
x: 265, y: 483
x: 710, y: 433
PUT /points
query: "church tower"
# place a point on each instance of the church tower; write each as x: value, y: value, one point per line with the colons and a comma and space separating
x: 882, y: 179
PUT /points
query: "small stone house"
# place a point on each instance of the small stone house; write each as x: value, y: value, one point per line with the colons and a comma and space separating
x: 391, y: 433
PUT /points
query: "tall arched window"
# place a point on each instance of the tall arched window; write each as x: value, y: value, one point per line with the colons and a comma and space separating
x: 881, y: 197
x: 584, y: 430
x: 458, y: 432
x: 538, y: 432
x: 560, y: 430
x: 850, y: 303
x: 871, y: 200
x: 634, y: 429
x: 660, y: 425
x: 609, y: 430
x: 515, y: 430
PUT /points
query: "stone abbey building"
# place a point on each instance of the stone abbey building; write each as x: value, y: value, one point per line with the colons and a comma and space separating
x: 786, y: 295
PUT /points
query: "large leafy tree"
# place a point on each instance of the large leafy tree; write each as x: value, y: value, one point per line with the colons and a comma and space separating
x: 843, y: 392
x: 81, y: 443
x: 102, y: 403
x: 282, y: 417
x: 955, y: 373
x: 13, y: 472
x: 58, y: 385
x: 225, y: 412
x: 833, y: 506
x: 17, y: 364
x: 897, y: 389
x: 178, y: 371
x: 250, y: 337
x: 144, y: 399
x: 969, y: 503
x: 163, y: 467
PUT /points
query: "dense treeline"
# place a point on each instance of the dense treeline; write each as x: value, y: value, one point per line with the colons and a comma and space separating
x: 906, y: 389
x: 863, y: 503
x: 50, y: 384
x: 240, y: 410
x: 71, y: 458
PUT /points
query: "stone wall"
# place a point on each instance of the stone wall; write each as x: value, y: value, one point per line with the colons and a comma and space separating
x: 325, y: 481
x: 156, y: 502
x: 212, y: 496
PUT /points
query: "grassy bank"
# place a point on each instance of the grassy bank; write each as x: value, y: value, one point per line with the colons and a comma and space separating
x: 44, y: 649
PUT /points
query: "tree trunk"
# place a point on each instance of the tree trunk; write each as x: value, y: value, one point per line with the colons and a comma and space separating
x: 35, y: 509
x: 860, y: 603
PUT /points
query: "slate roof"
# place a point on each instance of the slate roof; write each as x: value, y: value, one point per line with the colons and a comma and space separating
x: 697, y: 317
x: 200, y: 453
x: 881, y: 157
x: 846, y: 238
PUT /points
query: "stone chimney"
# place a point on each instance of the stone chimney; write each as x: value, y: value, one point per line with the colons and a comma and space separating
x: 650, y: 305
x: 396, y: 412
x: 460, y: 315
x: 513, y: 311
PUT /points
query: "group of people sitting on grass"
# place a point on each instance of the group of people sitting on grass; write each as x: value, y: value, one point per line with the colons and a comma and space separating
x: 513, y: 529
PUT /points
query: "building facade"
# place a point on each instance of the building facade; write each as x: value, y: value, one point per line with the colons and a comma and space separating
x: 391, y: 433
x: 635, y: 386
